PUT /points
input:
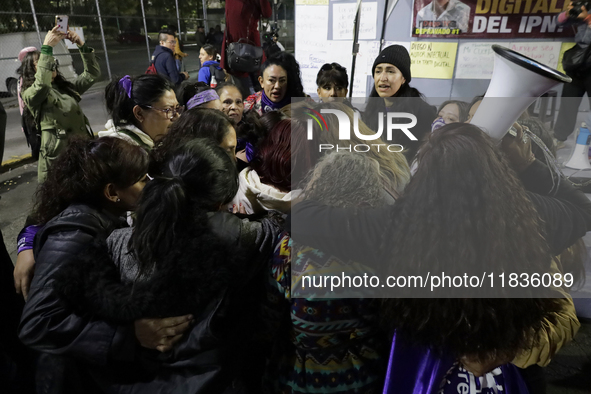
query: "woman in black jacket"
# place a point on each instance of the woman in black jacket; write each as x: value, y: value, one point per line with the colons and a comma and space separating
x: 87, y: 192
x: 184, y: 255
x: 391, y: 74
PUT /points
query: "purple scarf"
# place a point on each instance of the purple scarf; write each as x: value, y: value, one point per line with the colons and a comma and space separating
x: 268, y: 105
x: 416, y: 370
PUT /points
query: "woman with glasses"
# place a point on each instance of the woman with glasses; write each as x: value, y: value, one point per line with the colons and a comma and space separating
x: 52, y: 102
x: 142, y: 109
x: 332, y: 82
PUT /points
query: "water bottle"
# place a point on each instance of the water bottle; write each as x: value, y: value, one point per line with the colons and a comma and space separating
x: 213, y: 82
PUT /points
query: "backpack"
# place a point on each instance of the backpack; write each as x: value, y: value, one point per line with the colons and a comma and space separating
x: 220, y: 75
x: 152, y: 69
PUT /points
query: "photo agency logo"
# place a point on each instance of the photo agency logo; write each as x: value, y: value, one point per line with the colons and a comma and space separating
x: 393, y: 122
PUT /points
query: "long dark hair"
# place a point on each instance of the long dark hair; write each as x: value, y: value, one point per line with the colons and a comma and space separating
x: 466, y: 211
x: 292, y: 69
x: 146, y: 90
x: 27, y: 72
x: 83, y: 169
x: 198, y: 177
x: 194, y: 123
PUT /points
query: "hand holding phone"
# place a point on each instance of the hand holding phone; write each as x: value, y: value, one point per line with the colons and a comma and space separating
x: 53, y: 37
x: 61, y: 21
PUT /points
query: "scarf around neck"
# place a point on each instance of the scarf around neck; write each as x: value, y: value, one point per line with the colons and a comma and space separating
x: 268, y: 105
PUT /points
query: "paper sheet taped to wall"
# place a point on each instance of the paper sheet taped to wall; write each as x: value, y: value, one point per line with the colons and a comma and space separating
x: 432, y: 59
x: 476, y: 59
x: 343, y: 18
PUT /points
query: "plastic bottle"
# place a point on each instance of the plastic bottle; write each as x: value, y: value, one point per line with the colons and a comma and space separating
x: 213, y: 82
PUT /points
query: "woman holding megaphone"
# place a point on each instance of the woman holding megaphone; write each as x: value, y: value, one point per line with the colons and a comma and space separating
x: 391, y: 74
x: 577, y: 65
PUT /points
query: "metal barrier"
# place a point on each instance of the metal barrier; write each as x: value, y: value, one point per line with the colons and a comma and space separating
x: 122, y: 33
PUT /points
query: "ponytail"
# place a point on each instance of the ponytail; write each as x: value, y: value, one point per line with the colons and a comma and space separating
x: 161, y: 219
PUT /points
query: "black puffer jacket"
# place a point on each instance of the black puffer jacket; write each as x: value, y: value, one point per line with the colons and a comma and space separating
x: 216, y: 275
x: 57, y: 332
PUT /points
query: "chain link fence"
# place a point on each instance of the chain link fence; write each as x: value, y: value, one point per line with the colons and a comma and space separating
x: 123, y: 33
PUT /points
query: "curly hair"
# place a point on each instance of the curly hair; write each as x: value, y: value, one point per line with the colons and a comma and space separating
x: 292, y: 68
x: 83, y: 169
x: 394, y: 168
x: 343, y: 178
x: 465, y: 211
x: 194, y: 123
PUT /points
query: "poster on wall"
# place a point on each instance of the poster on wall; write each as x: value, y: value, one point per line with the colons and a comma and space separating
x: 490, y: 19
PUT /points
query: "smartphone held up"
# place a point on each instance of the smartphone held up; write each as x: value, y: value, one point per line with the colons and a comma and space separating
x: 61, y: 21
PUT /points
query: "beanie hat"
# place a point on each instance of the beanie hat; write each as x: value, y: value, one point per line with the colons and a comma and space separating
x: 396, y: 55
x: 24, y: 51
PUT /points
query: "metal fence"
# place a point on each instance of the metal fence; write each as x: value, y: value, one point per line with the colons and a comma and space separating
x: 123, y: 33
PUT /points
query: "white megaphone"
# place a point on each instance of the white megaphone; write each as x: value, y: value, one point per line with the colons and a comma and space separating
x: 580, y: 158
x: 520, y: 81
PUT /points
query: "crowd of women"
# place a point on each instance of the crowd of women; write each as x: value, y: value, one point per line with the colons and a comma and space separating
x: 160, y: 257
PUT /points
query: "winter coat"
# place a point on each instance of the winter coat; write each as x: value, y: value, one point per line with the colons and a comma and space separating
x: 165, y: 64
x: 205, y: 72
x: 75, y: 347
x: 129, y: 133
x: 217, y: 276
x: 242, y: 21
x: 58, y: 113
x: 424, y: 112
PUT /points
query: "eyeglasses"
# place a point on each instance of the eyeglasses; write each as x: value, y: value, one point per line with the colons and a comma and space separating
x: 171, y: 42
x: 170, y: 112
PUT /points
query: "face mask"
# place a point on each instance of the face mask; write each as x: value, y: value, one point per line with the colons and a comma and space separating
x: 437, y: 123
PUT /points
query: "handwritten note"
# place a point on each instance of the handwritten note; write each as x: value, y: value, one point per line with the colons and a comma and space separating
x: 432, y: 59
x: 344, y: 17
x: 311, y: 32
x: 476, y: 59
x: 311, y: 2
x: 310, y: 28
x: 564, y: 47
x: 544, y: 52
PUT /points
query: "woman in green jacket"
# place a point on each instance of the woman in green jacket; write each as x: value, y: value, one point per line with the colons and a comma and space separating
x: 53, y: 102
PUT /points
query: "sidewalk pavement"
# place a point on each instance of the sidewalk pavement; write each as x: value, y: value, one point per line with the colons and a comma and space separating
x: 14, y: 159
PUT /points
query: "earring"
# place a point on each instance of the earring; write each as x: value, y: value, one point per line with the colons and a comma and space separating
x: 118, y: 199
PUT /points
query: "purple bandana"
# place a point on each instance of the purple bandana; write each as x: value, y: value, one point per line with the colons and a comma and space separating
x: 269, y: 105
x: 126, y: 85
x: 202, y: 98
